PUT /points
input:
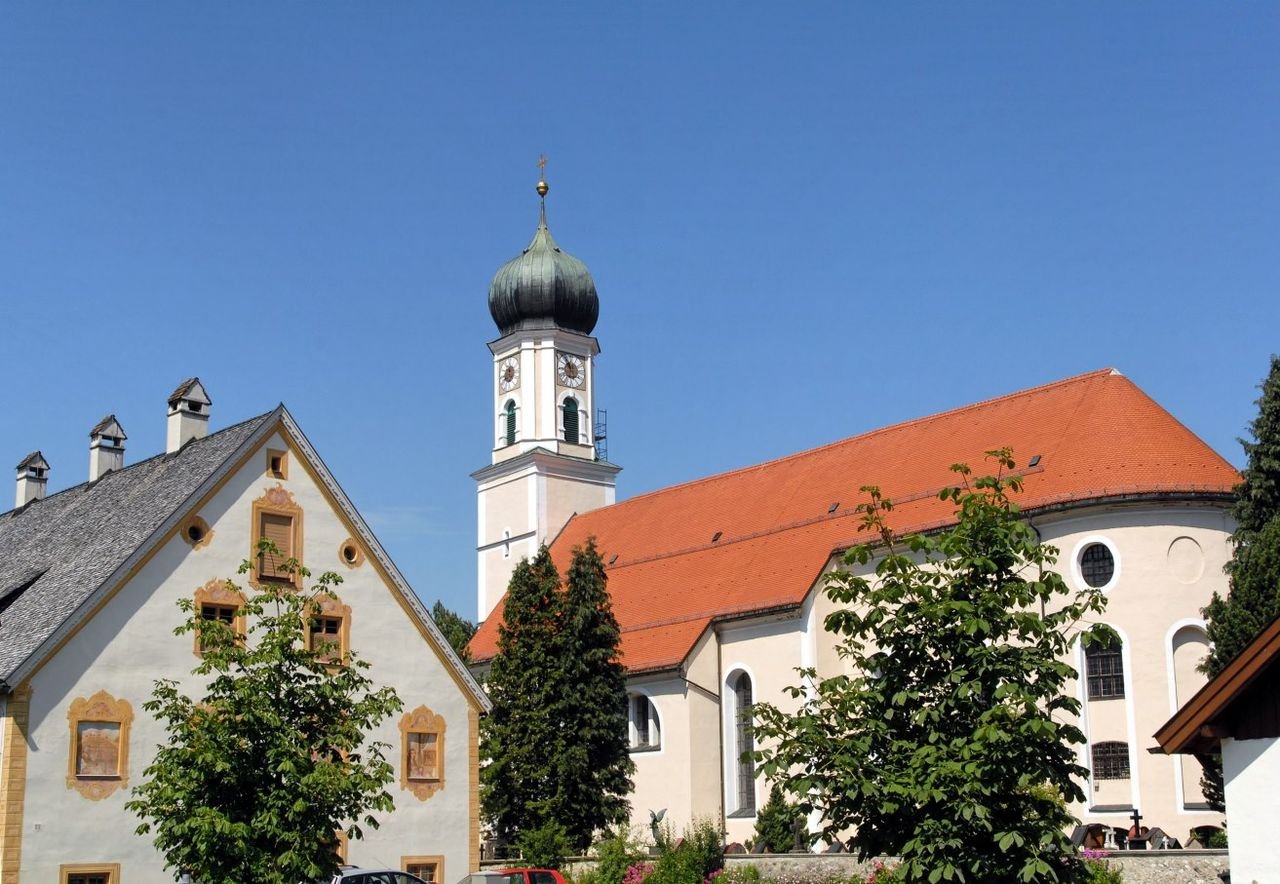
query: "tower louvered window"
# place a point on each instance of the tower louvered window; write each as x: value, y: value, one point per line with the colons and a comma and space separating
x: 571, y: 420
x: 510, y: 422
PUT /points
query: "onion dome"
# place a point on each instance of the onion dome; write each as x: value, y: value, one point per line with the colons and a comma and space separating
x: 543, y: 287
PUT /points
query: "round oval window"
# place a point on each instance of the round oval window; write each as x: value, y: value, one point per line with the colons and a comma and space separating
x: 1097, y: 565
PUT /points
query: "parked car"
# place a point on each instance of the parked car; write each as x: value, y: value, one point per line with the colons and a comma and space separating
x: 356, y: 875
x: 534, y: 876
x: 489, y: 876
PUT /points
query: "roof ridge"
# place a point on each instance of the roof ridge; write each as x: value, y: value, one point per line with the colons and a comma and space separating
x: 127, y: 467
x: 1089, y: 375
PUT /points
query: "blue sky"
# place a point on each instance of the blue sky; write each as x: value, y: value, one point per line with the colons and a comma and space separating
x: 804, y: 222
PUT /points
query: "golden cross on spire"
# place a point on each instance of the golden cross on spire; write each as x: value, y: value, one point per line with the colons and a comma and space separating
x: 542, y: 177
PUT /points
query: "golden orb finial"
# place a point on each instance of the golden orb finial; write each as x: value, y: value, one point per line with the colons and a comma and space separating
x: 542, y: 179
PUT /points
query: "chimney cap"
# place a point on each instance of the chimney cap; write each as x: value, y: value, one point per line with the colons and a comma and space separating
x: 108, y: 426
x: 34, y: 460
x: 190, y: 390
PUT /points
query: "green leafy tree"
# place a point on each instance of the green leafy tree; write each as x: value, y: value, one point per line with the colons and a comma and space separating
x: 257, y: 776
x: 595, y: 766
x: 521, y: 735
x: 555, y: 741
x: 457, y: 631
x: 778, y: 821
x: 951, y: 745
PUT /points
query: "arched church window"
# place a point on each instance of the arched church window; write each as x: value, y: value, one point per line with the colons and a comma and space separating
x: 1104, y: 666
x: 744, y: 744
x: 509, y: 418
x: 571, y: 420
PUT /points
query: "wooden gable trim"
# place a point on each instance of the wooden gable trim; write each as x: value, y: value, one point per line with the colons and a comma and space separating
x: 1195, y: 726
x: 13, y: 781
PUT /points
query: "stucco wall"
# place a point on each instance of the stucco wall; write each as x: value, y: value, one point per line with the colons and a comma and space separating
x: 130, y: 643
x: 1251, y: 770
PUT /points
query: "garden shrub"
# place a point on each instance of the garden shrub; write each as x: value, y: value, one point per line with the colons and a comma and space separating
x: 614, y: 856
x: 545, y: 847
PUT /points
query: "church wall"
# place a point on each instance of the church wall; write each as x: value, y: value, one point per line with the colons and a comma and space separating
x: 130, y: 642
x: 768, y: 653
x: 1169, y: 562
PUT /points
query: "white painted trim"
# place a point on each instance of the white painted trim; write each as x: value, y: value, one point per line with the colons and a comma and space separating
x: 655, y: 718
x: 728, y: 734
x: 1131, y: 726
x: 1079, y: 548
x: 1179, y: 784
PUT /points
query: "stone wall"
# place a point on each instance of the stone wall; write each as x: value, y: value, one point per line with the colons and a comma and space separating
x: 1139, y: 867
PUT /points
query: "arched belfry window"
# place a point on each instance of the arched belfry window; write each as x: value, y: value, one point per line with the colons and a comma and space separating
x: 571, y: 420
x: 744, y: 743
x: 509, y: 422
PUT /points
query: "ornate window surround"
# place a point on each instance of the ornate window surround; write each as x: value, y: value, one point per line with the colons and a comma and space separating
x: 409, y: 863
x: 275, y: 501
x: 219, y: 592
x: 422, y: 721
x: 332, y: 606
x: 110, y: 870
x: 101, y: 707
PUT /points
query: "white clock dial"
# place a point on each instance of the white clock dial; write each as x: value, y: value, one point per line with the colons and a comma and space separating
x: 509, y: 374
x: 570, y: 370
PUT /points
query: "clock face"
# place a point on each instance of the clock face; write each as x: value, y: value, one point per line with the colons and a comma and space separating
x: 509, y: 374
x: 570, y: 370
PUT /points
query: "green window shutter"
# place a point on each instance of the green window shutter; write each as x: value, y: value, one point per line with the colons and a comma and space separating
x: 571, y: 420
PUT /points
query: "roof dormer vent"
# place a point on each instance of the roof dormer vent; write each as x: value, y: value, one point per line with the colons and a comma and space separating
x: 106, y: 447
x: 188, y: 414
x: 33, y: 479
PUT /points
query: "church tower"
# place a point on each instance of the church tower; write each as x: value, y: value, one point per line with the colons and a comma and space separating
x: 544, y: 466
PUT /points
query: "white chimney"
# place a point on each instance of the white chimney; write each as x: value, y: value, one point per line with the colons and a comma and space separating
x: 33, y: 478
x: 106, y: 447
x: 188, y: 414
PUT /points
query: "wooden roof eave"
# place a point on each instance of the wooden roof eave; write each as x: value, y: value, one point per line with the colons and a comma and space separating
x: 1194, y: 728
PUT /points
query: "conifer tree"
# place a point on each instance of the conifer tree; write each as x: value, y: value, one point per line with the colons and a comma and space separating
x: 1253, y: 574
x: 457, y: 630
x: 521, y: 738
x: 596, y: 767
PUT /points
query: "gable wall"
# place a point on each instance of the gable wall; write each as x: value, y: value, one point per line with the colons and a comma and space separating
x: 130, y: 642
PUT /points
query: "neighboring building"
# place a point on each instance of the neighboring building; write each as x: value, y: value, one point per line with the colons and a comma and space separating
x: 1238, y: 713
x: 90, y: 578
x: 717, y: 583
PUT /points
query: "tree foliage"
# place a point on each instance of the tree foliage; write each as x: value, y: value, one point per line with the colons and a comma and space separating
x: 596, y: 766
x: 1253, y: 598
x: 778, y: 821
x: 456, y: 630
x: 555, y: 741
x: 257, y: 776
x: 951, y: 744
x: 1253, y: 574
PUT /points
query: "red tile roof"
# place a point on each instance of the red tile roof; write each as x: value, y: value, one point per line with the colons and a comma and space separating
x: 1098, y: 436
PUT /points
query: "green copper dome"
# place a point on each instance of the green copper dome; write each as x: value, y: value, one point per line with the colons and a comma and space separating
x: 544, y: 287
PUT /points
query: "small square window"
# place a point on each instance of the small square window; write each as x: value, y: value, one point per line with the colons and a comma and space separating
x: 90, y: 873
x: 425, y: 867
x: 223, y: 613
x: 277, y: 464
x: 326, y: 638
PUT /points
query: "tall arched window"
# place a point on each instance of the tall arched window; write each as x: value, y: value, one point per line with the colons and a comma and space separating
x: 744, y: 743
x: 571, y: 420
x: 1104, y: 667
x: 509, y: 418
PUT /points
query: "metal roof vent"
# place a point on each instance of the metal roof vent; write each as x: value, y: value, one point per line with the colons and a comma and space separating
x: 835, y: 506
x: 717, y: 537
x: 1035, y: 461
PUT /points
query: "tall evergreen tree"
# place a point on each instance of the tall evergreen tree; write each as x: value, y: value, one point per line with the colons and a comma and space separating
x: 457, y: 631
x: 1253, y: 574
x: 1253, y: 598
x: 521, y: 738
x: 595, y: 766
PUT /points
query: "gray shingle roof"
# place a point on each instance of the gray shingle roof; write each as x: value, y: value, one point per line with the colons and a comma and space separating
x: 55, y: 552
